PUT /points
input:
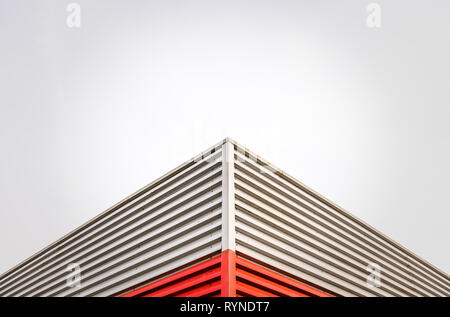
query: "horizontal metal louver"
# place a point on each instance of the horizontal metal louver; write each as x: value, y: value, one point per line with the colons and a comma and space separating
x: 281, y: 222
x: 173, y: 222
x: 274, y: 237
x: 203, y: 279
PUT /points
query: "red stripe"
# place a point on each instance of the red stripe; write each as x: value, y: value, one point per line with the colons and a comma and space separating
x: 228, y: 274
x: 177, y: 276
x: 186, y: 283
x: 212, y: 289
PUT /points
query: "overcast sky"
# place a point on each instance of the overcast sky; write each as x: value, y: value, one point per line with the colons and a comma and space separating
x: 89, y: 115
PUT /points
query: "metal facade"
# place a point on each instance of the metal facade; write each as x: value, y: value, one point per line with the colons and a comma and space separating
x: 255, y: 280
x: 179, y: 236
x: 173, y: 222
x: 283, y: 223
x: 203, y: 279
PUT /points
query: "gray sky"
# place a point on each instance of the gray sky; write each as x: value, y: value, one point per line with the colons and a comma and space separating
x: 89, y: 115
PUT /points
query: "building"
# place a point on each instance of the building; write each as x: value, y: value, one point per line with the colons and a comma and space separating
x: 225, y: 223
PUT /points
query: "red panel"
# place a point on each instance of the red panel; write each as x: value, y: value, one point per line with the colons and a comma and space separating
x: 255, y: 280
x: 246, y: 280
x: 200, y: 280
x: 227, y: 276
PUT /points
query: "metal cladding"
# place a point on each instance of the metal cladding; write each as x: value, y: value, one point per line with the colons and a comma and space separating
x: 254, y: 280
x: 173, y: 222
x: 226, y: 223
x: 286, y: 225
x: 226, y: 275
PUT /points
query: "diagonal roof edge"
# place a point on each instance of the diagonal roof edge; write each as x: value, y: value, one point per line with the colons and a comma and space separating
x: 274, y: 168
x: 114, y: 207
x: 338, y: 208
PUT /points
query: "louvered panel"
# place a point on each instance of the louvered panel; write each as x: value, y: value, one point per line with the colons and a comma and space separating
x: 290, y: 241
x: 291, y: 263
x: 282, y: 222
x: 153, y: 193
x: 197, y: 249
x: 155, y: 228
x: 321, y: 236
x: 214, y: 276
x: 248, y: 214
x: 199, y: 280
x: 168, y: 224
x: 310, y: 259
x: 318, y: 258
x: 255, y: 280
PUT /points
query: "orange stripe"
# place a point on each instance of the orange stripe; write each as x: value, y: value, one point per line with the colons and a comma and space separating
x: 247, y: 265
x: 213, y: 288
x: 252, y: 291
x: 269, y: 285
